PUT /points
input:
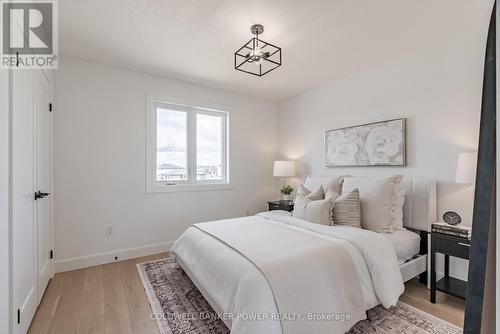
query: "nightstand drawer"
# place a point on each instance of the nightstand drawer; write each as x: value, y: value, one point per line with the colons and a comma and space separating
x: 274, y: 206
x: 280, y: 205
x: 458, y: 247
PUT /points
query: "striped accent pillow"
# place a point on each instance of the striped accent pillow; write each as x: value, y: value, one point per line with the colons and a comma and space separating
x: 312, y: 195
x: 346, y: 209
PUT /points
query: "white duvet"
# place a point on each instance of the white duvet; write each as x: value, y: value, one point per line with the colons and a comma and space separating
x: 234, y: 286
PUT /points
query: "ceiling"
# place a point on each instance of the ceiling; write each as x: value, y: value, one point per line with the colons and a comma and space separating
x: 194, y: 40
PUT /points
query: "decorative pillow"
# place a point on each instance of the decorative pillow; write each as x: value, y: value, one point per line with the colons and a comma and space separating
x: 313, y: 211
x: 346, y: 209
x: 377, y: 200
x: 397, y: 208
x: 329, y: 183
x: 313, y: 196
x: 332, y: 194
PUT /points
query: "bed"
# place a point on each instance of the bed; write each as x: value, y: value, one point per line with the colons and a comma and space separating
x: 253, y: 295
x: 419, y: 212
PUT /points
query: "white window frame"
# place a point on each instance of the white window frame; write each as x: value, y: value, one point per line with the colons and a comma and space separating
x: 192, y: 108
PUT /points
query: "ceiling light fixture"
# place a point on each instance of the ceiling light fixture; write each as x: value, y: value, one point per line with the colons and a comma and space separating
x: 257, y: 57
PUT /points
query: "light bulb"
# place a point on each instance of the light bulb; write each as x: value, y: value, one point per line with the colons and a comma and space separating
x: 256, y: 55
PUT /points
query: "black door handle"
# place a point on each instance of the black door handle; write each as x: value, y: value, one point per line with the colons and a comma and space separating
x: 39, y: 194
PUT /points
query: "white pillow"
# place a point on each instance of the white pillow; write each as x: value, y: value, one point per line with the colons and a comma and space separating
x: 313, y: 211
x: 313, y: 196
x: 397, y: 208
x: 346, y: 209
x: 377, y: 200
x: 329, y: 183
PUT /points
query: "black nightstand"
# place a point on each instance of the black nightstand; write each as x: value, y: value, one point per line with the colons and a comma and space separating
x: 449, y: 246
x: 281, y: 205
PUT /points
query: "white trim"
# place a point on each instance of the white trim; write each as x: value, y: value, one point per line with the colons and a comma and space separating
x: 27, y: 311
x: 164, y: 188
x: 5, y: 201
x: 192, y: 108
x: 109, y: 257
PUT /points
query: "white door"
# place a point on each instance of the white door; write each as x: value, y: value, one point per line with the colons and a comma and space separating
x: 24, y: 287
x: 43, y: 167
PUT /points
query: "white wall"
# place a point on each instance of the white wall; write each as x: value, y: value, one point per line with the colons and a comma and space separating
x: 99, y: 164
x: 434, y: 80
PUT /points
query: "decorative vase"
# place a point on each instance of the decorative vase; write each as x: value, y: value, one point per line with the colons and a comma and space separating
x: 287, y: 197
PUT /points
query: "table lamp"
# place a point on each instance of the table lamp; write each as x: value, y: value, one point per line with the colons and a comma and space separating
x: 284, y: 169
x: 466, y: 167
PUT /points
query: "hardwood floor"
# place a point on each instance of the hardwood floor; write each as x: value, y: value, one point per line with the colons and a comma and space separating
x: 110, y: 299
x: 447, y: 307
x: 103, y: 299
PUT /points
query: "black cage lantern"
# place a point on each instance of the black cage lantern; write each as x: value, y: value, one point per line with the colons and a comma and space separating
x: 257, y: 57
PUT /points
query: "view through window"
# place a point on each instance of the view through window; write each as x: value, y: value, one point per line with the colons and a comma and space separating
x: 190, y: 145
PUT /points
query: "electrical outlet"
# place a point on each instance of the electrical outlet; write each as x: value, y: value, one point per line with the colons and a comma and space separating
x: 109, y: 230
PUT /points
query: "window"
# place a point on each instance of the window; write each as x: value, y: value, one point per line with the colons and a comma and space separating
x: 187, y: 148
x: 171, y: 144
x: 210, y: 146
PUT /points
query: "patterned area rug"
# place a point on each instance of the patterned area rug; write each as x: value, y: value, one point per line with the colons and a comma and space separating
x: 179, y: 308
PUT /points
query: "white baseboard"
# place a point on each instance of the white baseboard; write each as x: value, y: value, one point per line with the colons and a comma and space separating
x: 109, y: 257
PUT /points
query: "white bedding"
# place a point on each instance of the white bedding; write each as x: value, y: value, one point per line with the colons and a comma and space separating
x: 406, y: 244
x: 238, y: 288
x: 301, y: 269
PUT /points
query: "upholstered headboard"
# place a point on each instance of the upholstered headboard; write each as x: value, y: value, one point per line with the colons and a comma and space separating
x: 419, y: 210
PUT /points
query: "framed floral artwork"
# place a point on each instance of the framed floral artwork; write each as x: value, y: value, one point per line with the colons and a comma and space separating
x: 373, y: 144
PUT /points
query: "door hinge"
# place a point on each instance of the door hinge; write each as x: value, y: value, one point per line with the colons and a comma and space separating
x: 51, y: 254
x: 18, y: 316
x: 50, y: 107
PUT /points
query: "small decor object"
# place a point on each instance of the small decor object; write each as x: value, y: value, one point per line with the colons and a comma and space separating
x: 466, y: 167
x: 454, y: 230
x: 452, y: 218
x: 257, y: 57
x: 373, y: 144
x: 287, y: 191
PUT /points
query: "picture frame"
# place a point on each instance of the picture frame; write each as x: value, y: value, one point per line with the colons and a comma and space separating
x: 381, y: 143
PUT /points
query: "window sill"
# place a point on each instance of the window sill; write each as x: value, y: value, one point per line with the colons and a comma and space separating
x: 163, y: 188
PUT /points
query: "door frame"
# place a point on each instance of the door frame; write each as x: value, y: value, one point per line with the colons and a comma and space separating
x: 5, y: 202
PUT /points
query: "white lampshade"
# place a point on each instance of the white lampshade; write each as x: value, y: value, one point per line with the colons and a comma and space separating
x: 466, y: 167
x: 283, y: 168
